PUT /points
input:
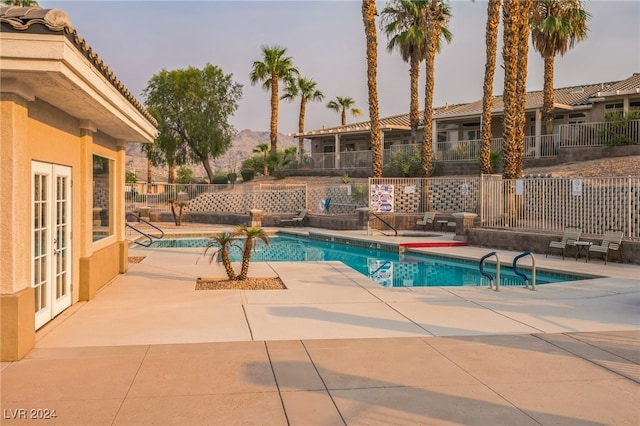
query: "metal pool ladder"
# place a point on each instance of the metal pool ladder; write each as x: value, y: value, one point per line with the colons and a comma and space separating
x: 521, y: 274
x: 149, y: 236
x: 488, y: 275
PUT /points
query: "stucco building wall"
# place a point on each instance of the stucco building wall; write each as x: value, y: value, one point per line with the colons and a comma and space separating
x: 59, y: 106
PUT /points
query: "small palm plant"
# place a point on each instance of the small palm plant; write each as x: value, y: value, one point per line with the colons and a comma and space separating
x: 250, y: 234
x: 221, y: 244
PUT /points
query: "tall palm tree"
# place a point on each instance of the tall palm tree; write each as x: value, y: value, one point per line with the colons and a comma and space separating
x: 369, y: 13
x: 438, y: 15
x: 556, y: 25
x: 273, y: 67
x: 341, y: 105
x: 306, y: 89
x: 250, y: 234
x: 510, y: 21
x: 491, y: 42
x: 404, y: 23
x: 521, y: 80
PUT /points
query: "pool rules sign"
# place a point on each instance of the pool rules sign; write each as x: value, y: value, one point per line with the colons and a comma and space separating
x: 382, y: 198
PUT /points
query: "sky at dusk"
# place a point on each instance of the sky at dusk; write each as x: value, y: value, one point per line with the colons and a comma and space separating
x: 136, y: 39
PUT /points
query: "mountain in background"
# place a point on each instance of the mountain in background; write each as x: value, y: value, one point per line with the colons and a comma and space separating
x: 242, y: 146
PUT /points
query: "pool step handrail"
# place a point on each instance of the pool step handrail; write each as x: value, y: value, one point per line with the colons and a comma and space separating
x: 144, y: 234
x: 386, y: 223
x: 521, y: 274
x: 488, y: 275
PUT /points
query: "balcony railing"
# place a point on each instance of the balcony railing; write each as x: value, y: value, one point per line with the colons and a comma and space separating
x: 595, y: 134
x: 584, y: 134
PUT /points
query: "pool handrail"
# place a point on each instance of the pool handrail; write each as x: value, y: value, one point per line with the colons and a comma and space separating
x: 521, y: 274
x: 385, y: 222
x: 149, y: 236
x: 488, y: 275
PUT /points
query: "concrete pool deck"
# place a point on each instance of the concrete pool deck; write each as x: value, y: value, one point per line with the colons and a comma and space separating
x: 336, y: 348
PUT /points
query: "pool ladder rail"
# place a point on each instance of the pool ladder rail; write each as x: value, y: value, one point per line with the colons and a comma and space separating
x: 521, y: 274
x: 144, y: 234
x: 514, y: 267
x: 488, y: 275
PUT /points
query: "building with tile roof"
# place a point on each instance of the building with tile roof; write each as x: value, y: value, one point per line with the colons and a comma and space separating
x: 455, y: 124
x: 66, y: 121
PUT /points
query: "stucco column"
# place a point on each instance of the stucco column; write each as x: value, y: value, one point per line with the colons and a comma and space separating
x: 255, y: 218
x: 382, y: 147
x: 337, y: 151
x: 464, y: 221
x: 119, y: 207
x: 17, y: 322
x: 538, y: 124
x: 434, y: 136
x: 625, y: 105
x: 83, y: 198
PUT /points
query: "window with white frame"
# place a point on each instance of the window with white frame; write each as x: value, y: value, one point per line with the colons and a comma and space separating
x: 102, y: 197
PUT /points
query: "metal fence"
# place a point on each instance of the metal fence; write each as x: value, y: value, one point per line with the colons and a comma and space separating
x: 604, y: 133
x: 544, y: 204
x: 595, y: 205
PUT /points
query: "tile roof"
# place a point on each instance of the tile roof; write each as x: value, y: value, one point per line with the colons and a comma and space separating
x: 38, y: 20
x: 571, y: 96
x: 631, y: 84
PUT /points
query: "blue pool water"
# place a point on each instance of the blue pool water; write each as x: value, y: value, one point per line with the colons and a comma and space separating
x: 389, y: 269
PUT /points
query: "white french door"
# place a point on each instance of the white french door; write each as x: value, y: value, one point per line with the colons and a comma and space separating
x: 50, y: 239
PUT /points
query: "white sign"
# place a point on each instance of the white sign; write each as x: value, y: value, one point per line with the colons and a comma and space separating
x: 576, y: 187
x: 464, y: 189
x: 410, y: 189
x: 519, y: 187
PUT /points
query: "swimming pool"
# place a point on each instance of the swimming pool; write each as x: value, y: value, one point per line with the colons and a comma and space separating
x: 387, y: 268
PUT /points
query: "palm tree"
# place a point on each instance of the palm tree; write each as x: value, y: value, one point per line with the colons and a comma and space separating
x: 341, y: 105
x: 510, y: 9
x: 404, y: 23
x: 306, y: 89
x: 250, y: 234
x: 521, y: 82
x: 263, y: 149
x: 438, y: 15
x: 22, y: 3
x: 369, y: 13
x: 556, y: 25
x: 275, y: 66
x: 221, y: 244
x: 491, y: 42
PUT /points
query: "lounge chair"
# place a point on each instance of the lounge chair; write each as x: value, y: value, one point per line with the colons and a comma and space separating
x: 569, y: 238
x: 297, y: 220
x: 428, y: 219
x: 612, y: 240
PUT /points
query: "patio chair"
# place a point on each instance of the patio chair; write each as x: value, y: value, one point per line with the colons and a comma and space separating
x: 297, y: 220
x: 428, y: 219
x: 612, y: 240
x: 569, y: 238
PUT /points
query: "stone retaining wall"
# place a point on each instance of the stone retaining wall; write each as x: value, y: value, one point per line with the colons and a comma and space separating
x: 500, y: 239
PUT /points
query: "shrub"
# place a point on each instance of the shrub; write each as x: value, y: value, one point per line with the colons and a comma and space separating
x: 247, y: 174
x: 184, y: 175
x: 130, y: 177
x: 622, y: 129
x: 220, y: 179
x: 404, y: 164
